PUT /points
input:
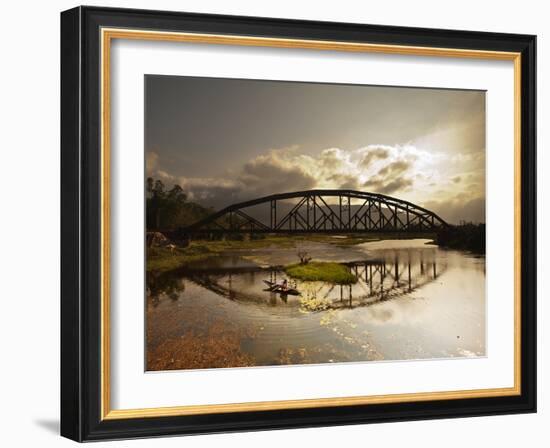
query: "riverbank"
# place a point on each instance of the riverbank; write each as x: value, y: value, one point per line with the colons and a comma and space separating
x: 161, y: 259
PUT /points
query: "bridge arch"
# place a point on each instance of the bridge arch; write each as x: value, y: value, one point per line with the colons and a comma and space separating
x: 321, y: 211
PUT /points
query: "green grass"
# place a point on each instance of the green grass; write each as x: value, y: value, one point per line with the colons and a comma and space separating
x: 324, y: 272
x: 161, y: 260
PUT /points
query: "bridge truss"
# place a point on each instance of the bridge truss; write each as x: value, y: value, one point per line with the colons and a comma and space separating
x: 320, y: 211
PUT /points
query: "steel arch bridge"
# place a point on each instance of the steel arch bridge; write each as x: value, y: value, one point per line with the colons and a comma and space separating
x: 321, y: 211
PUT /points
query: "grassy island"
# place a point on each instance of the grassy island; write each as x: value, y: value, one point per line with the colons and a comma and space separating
x: 324, y: 272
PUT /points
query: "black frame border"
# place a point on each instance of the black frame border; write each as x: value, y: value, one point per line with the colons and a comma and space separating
x: 81, y: 223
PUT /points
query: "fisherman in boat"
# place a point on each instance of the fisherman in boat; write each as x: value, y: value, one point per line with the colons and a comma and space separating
x: 284, y: 285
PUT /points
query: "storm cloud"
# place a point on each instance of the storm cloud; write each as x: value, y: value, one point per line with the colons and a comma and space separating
x: 388, y: 187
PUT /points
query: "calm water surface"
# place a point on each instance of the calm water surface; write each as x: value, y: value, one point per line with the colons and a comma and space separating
x: 412, y: 301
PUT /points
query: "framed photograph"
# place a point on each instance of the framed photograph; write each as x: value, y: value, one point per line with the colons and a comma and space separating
x: 276, y: 224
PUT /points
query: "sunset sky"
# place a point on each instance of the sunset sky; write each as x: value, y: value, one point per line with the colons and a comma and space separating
x: 227, y: 140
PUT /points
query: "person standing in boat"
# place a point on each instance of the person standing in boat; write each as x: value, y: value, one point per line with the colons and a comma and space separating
x: 284, y: 285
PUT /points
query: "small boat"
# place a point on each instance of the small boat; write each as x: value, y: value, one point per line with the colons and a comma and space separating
x: 275, y: 287
x: 270, y: 285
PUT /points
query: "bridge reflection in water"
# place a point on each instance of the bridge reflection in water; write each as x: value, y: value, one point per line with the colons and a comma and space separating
x: 393, y: 274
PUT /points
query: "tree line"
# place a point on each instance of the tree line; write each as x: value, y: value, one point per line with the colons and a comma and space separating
x: 169, y: 208
x: 466, y: 236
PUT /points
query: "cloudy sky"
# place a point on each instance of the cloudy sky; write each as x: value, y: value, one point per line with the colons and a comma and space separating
x: 226, y: 140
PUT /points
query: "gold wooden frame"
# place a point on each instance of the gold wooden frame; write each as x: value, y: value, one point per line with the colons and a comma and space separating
x: 107, y: 35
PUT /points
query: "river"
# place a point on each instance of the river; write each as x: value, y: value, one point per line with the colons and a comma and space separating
x: 412, y: 300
